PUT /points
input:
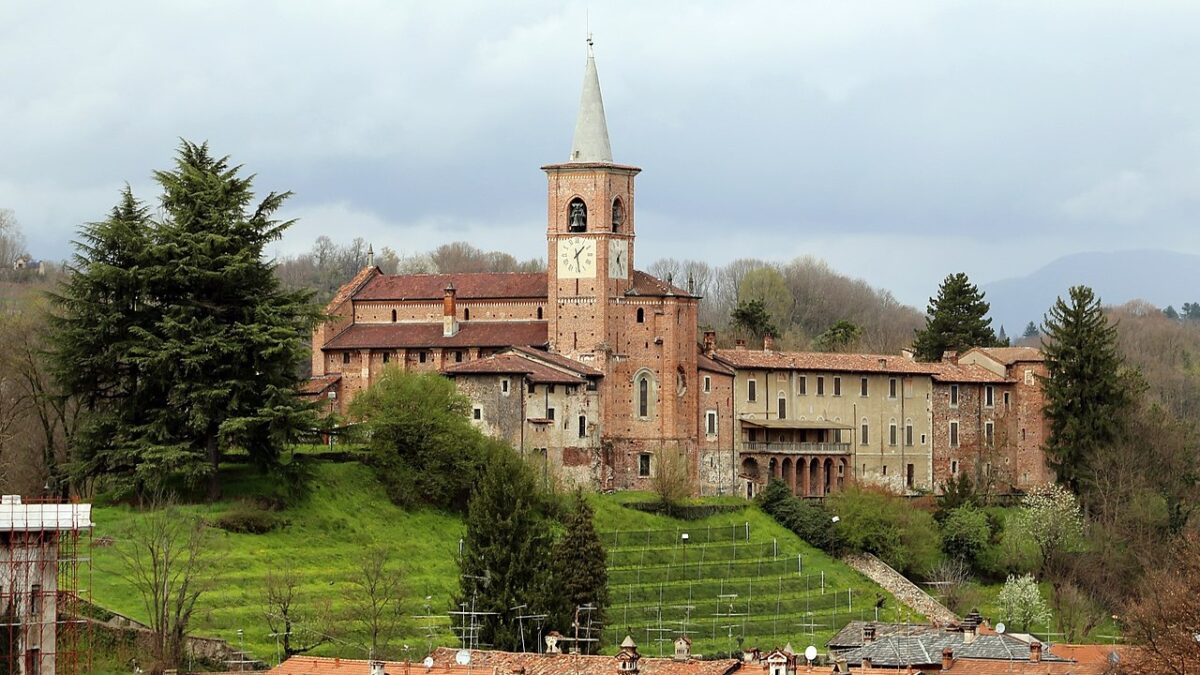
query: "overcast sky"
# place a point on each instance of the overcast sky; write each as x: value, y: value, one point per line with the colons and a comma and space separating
x: 900, y: 141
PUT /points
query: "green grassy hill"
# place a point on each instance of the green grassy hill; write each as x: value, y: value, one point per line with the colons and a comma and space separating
x: 348, y: 512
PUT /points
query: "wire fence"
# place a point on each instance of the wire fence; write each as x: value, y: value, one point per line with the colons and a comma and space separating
x: 708, y: 534
x: 661, y: 555
x: 729, y: 569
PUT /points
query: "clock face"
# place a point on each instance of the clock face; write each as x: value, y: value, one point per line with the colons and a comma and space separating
x: 618, y: 259
x: 576, y: 258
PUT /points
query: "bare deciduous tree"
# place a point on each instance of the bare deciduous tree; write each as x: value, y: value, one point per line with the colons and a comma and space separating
x: 300, y: 628
x: 165, y: 555
x: 671, y: 481
x: 1165, y: 617
x: 378, y: 599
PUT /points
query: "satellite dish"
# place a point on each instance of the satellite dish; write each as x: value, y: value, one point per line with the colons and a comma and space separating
x: 463, y: 657
x: 1000, y: 628
x: 1114, y: 658
x: 810, y: 652
x: 428, y: 662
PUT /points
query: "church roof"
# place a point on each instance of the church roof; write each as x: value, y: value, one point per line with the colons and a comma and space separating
x: 590, y: 143
x: 648, y: 285
x: 472, y: 286
x: 516, y: 364
x: 417, y: 335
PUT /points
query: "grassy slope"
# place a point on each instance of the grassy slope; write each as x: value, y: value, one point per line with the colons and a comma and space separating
x: 347, y: 512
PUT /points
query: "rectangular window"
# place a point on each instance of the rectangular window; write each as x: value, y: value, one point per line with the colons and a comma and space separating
x: 35, y: 602
x: 820, y: 386
x: 885, y: 469
x: 422, y: 356
x: 803, y: 385
x: 33, y: 665
x: 954, y: 396
x: 1006, y: 399
x: 891, y: 387
x: 504, y: 386
x: 837, y: 386
x: 386, y: 357
x: 782, y: 408
x: 954, y: 467
x: 954, y: 434
x: 1022, y: 434
x: 862, y: 387
x: 751, y: 390
x: 908, y: 435
x: 477, y: 413
x: 710, y: 422
x: 989, y: 396
x: 458, y: 356
x: 345, y: 357
x: 532, y: 388
x: 892, y: 433
x: 550, y: 413
x: 707, y: 384
x: 922, y: 439
x: 863, y: 439
x: 582, y: 426
x: 644, y: 465
x: 989, y: 433
x: 910, y: 473
x: 550, y: 388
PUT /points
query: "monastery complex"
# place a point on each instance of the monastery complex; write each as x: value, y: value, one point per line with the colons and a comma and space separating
x: 600, y: 370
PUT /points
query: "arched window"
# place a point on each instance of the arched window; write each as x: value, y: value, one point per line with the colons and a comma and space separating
x: 618, y: 215
x: 393, y: 316
x: 539, y: 313
x: 641, y: 315
x: 466, y: 314
x: 645, y: 389
x: 576, y: 216
x: 644, y: 397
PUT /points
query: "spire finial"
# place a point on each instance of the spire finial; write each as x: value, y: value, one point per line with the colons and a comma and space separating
x: 590, y: 143
x: 370, y: 255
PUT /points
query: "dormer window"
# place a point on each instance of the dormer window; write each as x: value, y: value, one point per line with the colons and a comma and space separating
x: 576, y: 216
x: 618, y: 215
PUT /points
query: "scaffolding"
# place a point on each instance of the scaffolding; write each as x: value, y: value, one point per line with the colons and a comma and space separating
x: 45, y: 585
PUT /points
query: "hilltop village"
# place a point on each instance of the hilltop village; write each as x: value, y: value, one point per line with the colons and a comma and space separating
x: 600, y: 369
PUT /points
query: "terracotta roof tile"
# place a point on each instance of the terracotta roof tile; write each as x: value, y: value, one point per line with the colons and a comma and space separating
x: 558, y: 360
x: 517, y: 364
x: 506, y: 663
x: 412, y: 335
x: 855, y: 363
x: 651, y: 286
x: 478, y: 286
x: 705, y: 363
x: 318, y: 665
x: 965, y: 372
x: 349, y: 288
x: 316, y: 385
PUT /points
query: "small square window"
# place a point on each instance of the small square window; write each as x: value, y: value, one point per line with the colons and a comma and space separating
x: 550, y: 413
x: 837, y: 386
x: 644, y: 465
x: 477, y: 413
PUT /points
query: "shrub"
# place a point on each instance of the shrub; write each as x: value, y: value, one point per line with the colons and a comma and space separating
x: 810, y: 522
x: 965, y: 533
x: 246, y: 518
x: 887, y: 526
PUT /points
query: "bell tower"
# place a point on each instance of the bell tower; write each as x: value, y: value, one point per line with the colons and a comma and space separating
x: 589, y: 234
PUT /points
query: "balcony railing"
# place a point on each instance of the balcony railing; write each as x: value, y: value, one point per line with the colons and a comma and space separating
x: 797, y: 448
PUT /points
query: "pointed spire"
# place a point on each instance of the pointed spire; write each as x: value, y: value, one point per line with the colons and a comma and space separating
x: 591, y: 130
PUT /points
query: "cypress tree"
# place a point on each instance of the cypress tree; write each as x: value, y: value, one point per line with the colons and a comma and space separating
x: 505, y: 550
x: 1031, y: 330
x: 1086, y: 389
x: 579, y: 571
x: 956, y: 320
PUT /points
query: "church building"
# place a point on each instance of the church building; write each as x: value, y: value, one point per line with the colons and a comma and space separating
x: 592, y: 364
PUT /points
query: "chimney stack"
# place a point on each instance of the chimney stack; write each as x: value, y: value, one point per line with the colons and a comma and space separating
x: 950, y: 356
x: 868, y: 633
x: 866, y: 663
x: 768, y: 342
x: 969, y: 626
x: 710, y: 342
x: 739, y: 344
x: 377, y: 668
x: 628, y: 657
x: 450, y: 312
x: 947, y: 658
x: 1035, y: 651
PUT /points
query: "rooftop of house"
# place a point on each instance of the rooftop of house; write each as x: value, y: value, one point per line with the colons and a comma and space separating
x: 521, y: 363
x: 320, y: 665
x: 764, y: 359
x: 1010, y: 355
x: 510, y: 663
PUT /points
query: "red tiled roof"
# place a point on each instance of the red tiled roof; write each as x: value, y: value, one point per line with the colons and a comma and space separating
x: 965, y: 372
x: 408, y: 335
x: 315, y: 385
x: 558, y: 360
x: 479, y: 286
x: 651, y: 286
x: 1010, y: 355
x: 705, y: 363
x: 318, y: 665
x: 349, y: 288
x: 854, y: 363
x: 506, y: 663
x: 514, y: 363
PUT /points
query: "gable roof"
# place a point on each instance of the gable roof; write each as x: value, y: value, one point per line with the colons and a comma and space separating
x: 966, y: 373
x: 517, y: 364
x: 506, y: 663
x: 417, y: 335
x: 348, y: 289
x: 705, y: 363
x: 314, y: 386
x: 1010, y: 355
x: 558, y: 360
x: 648, y: 285
x: 467, y: 286
x: 830, y: 362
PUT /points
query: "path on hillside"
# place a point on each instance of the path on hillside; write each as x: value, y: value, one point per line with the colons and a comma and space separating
x: 899, y: 585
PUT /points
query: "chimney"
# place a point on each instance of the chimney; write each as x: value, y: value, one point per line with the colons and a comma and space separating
x: 739, y: 344
x: 947, y: 658
x: 683, y: 648
x: 377, y: 668
x: 1035, y: 651
x: 710, y: 342
x: 370, y: 255
x: 868, y: 633
x: 552, y: 642
x: 628, y: 657
x: 866, y: 663
x: 950, y: 356
x: 908, y: 354
x: 450, y: 312
x: 768, y: 342
x: 968, y: 629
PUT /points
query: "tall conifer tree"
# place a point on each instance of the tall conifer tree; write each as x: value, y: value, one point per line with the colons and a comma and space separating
x: 1087, y: 390
x: 956, y: 320
x: 579, y: 571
